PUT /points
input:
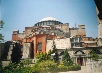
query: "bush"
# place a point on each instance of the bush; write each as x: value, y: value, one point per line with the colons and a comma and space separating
x: 16, y: 68
x: 36, y: 69
x: 47, y: 65
x: 42, y: 57
x: 63, y: 68
x: 40, y: 67
x: 74, y: 68
x: 93, y: 55
x: 51, y: 66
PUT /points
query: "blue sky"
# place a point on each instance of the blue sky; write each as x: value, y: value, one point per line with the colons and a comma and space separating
x: 18, y: 14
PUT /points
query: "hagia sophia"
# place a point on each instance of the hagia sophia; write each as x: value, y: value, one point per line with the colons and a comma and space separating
x: 40, y: 37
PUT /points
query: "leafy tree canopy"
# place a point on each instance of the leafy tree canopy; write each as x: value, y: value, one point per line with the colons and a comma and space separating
x: 93, y: 55
x: 1, y: 23
x: 1, y: 26
x: 56, y: 56
x: 42, y: 57
x: 16, y: 53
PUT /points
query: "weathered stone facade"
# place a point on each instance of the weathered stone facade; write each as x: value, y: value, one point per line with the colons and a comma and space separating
x: 94, y: 66
x: 60, y: 44
x: 26, y: 50
x: 78, y: 31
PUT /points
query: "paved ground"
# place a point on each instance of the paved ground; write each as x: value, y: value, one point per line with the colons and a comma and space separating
x: 83, y: 70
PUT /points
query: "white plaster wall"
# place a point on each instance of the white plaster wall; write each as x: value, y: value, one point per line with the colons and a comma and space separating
x: 60, y: 44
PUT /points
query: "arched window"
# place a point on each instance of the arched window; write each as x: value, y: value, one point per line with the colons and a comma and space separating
x: 39, y: 46
x: 79, y: 52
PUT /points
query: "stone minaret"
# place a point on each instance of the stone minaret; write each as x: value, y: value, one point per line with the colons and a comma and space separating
x: 99, y: 28
x: 99, y: 16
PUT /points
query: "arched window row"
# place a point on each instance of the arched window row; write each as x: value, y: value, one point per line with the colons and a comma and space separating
x: 48, y: 23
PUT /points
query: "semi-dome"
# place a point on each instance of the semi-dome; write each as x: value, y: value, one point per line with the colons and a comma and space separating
x: 48, y: 18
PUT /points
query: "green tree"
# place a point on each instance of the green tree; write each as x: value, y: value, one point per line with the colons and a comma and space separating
x: 1, y: 26
x: 42, y: 57
x: 5, y: 50
x: 93, y: 55
x: 16, y: 53
x: 1, y: 23
x: 56, y: 56
x: 1, y: 39
x: 66, y: 59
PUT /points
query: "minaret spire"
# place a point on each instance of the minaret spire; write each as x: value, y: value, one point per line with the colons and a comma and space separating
x: 75, y: 25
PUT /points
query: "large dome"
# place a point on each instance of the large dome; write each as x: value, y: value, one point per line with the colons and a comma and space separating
x: 48, y: 18
x: 48, y: 21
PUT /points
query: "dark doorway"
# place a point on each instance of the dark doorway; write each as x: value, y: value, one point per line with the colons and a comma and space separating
x: 80, y: 61
x: 32, y: 50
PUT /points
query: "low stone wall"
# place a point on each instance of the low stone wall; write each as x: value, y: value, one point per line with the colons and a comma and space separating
x: 94, y: 66
x: 5, y: 63
x: 31, y: 62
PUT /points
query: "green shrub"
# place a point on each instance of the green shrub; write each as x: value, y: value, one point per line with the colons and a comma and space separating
x: 16, y: 68
x: 42, y: 57
x: 63, y: 68
x: 74, y: 68
x: 45, y: 66
x: 36, y: 68
x: 40, y: 67
x: 51, y: 66
x: 93, y: 55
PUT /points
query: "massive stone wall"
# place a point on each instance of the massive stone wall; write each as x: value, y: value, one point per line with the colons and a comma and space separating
x: 60, y: 44
x: 94, y: 66
x: 73, y: 32
x: 81, y: 32
x: 28, y: 30
x: 78, y: 31
x: 65, y: 27
x: 26, y: 50
x: 25, y: 33
x: 22, y: 35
